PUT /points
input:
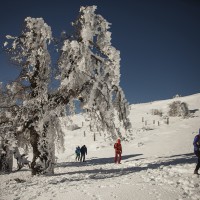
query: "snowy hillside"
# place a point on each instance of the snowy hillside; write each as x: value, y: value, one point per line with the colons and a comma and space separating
x: 157, y: 161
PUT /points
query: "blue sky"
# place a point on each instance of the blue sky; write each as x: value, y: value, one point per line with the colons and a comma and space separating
x: 159, y: 40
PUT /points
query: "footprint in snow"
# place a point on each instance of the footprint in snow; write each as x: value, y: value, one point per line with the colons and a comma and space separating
x: 96, y: 197
x: 114, y: 196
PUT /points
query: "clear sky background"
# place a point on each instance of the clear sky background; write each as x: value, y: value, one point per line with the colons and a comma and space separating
x: 159, y: 40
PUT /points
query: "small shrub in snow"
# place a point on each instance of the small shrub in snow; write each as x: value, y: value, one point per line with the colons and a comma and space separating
x: 176, y: 96
x: 73, y: 127
x: 140, y: 144
x: 156, y: 112
x: 147, y: 128
x: 178, y: 109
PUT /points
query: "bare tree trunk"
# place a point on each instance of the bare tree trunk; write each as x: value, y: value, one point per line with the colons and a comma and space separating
x: 6, y: 160
x: 43, y: 153
x: 9, y: 159
x: 51, y: 160
x: 34, y: 143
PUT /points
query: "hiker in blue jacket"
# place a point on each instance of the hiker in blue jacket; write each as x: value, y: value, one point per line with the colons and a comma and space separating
x: 196, y: 144
x: 78, y: 152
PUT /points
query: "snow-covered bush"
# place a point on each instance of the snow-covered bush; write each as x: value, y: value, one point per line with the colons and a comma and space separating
x: 146, y: 128
x: 73, y: 127
x: 176, y: 96
x: 157, y: 112
x: 178, y: 109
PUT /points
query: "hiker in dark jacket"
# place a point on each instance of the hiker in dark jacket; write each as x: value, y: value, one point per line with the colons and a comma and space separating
x: 83, y: 152
x: 196, y: 144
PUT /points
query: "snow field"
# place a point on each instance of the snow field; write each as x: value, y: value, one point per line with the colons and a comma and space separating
x: 157, y: 162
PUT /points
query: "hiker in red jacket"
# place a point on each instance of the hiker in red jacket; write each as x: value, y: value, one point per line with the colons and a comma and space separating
x: 118, y: 151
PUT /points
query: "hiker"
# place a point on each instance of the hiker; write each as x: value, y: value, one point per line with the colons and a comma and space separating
x: 196, y: 144
x: 83, y: 152
x: 118, y: 151
x: 78, y: 152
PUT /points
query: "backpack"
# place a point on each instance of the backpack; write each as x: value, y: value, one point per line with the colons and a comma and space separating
x: 196, y: 142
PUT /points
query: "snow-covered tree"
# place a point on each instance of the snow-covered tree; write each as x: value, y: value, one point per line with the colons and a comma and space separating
x: 8, y: 111
x: 178, y: 109
x: 90, y: 64
x: 88, y: 71
x: 30, y: 52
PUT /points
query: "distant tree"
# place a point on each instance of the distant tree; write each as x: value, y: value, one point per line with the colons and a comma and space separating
x: 88, y: 71
x: 185, y: 110
x: 176, y: 96
x: 178, y: 108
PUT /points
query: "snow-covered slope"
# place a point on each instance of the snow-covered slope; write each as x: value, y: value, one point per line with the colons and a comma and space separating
x: 157, y: 162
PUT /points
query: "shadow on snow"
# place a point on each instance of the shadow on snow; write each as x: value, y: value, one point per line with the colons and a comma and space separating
x: 94, y: 161
x: 116, y: 170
